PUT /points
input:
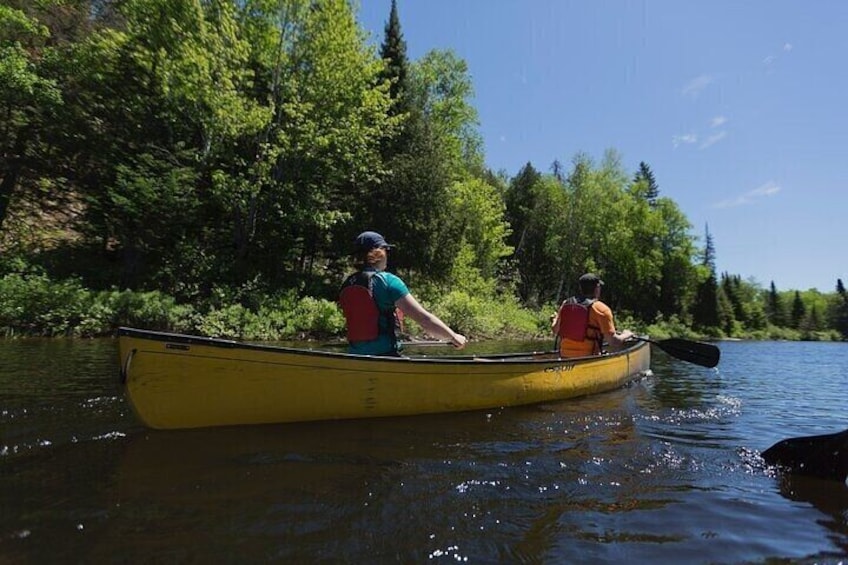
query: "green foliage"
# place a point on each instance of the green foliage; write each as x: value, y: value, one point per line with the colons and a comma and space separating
x: 212, y: 159
x: 34, y: 305
x: 317, y: 317
x: 665, y: 328
x: 274, y: 321
x: 477, y: 214
x: 486, y: 318
x: 442, y: 90
x: 152, y: 309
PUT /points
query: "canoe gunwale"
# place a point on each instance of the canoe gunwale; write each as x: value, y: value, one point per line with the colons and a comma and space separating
x: 531, y: 357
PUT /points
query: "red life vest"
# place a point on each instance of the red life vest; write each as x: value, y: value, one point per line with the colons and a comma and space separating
x: 359, y: 307
x: 574, y: 319
x: 361, y: 312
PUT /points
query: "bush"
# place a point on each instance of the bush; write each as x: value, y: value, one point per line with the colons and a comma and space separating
x: 152, y: 310
x: 317, y: 317
x: 482, y: 318
x: 35, y: 305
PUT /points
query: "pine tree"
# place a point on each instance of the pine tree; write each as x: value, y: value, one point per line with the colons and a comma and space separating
x: 557, y: 171
x: 840, y: 321
x: 798, y: 311
x: 705, y: 312
x: 393, y: 52
x: 774, y: 307
x: 813, y: 322
x: 646, y: 175
x: 709, y: 250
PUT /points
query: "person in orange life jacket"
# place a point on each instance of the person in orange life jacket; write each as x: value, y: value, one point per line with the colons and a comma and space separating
x: 370, y: 297
x: 581, y: 334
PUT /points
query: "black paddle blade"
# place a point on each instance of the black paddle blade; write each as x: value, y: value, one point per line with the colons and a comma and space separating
x: 824, y: 456
x: 697, y: 352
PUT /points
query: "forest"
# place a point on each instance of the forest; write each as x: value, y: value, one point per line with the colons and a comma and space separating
x: 203, y: 166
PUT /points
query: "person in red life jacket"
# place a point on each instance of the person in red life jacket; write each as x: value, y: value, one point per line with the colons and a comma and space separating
x: 584, y: 323
x: 373, y: 301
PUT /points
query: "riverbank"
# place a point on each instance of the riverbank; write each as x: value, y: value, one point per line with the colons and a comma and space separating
x: 36, y: 306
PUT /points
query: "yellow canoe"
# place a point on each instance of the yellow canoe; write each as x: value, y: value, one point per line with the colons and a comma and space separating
x: 181, y: 381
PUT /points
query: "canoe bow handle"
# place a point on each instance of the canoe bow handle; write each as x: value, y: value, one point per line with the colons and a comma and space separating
x: 125, y: 368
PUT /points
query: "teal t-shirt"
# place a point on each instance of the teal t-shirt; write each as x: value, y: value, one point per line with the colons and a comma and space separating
x: 388, y: 289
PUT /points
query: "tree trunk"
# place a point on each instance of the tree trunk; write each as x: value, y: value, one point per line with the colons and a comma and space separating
x: 7, y: 187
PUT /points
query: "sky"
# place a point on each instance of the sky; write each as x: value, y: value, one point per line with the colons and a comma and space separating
x: 740, y: 108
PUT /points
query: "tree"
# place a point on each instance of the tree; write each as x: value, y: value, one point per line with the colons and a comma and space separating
x: 706, y: 307
x: 393, y: 52
x: 678, y: 277
x: 441, y: 147
x: 443, y: 91
x: 646, y: 176
x: 533, y: 202
x: 478, y: 222
x: 799, y: 311
x: 29, y: 97
x: 774, y: 307
x: 840, y: 315
x: 331, y: 117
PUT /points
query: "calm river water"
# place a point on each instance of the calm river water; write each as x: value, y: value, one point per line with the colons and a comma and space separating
x: 666, y: 470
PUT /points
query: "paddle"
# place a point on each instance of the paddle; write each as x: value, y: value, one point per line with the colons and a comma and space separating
x: 824, y: 456
x: 697, y: 352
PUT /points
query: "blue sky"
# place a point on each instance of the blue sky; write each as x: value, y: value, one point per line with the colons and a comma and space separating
x: 739, y: 108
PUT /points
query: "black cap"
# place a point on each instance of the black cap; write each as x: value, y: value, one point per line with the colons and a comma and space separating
x: 590, y: 279
x: 368, y: 240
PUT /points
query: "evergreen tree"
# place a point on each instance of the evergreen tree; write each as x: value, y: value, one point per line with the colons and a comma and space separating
x: 812, y: 322
x: 646, y: 175
x: 705, y: 312
x: 774, y: 307
x: 731, y: 286
x: 840, y: 318
x: 558, y: 171
x: 798, y: 311
x: 393, y: 52
x: 709, y: 250
x: 727, y: 320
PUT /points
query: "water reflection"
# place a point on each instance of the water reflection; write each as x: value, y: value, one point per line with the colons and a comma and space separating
x: 655, y: 472
x: 829, y: 497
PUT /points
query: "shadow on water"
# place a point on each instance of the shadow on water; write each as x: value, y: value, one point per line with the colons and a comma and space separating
x: 828, y: 497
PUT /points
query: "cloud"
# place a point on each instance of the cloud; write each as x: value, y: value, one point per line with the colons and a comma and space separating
x: 686, y: 138
x: 717, y: 121
x: 696, y: 85
x: 769, y: 60
x: 713, y: 139
x: 764, y: 191
x: 787, y: 47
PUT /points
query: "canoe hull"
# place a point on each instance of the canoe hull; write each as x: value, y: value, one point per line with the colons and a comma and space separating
x: 178, y: 381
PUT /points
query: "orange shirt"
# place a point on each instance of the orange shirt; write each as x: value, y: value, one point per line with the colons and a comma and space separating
x: 600, y: 324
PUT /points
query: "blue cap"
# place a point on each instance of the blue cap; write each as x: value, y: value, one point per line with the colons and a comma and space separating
x: 368, y: 240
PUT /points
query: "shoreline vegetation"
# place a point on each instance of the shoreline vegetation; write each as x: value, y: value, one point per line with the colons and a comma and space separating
x: 205, y: 170
x: 36, y: 306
